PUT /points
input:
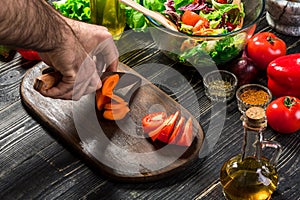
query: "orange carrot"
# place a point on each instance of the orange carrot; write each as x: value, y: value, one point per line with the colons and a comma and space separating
x: 109, y: 84
x: 116, y: 114
x: 117, y: 99
x: 114, y: 105
x: 101, y: 100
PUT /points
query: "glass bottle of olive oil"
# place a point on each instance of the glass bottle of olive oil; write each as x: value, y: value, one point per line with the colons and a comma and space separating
x: 108, y: 13
x: 250, y: 175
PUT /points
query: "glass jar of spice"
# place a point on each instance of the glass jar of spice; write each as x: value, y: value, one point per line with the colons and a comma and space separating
x: 250, y: 95
x: 220, y: 85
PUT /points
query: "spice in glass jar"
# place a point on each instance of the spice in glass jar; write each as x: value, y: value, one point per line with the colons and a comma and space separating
x: 220, y: 85
x: 254, y: 97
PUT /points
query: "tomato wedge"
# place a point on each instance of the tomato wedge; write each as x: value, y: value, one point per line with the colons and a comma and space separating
x: 186, y: 138
x: 155, y: 133
x: 166, y: 131
x: 222, y: 1
x: 177, y: 131
x: 153, y: 120
x: 190, y: 18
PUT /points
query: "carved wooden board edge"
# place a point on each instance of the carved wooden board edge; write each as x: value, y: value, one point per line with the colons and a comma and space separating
x: 38, y: 104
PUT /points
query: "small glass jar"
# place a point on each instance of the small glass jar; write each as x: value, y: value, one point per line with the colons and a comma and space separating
x: 250, y: 95
x: 108, y: 13
x: 220, y: 85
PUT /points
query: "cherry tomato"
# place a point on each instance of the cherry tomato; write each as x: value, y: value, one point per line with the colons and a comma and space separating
x: 264, y: 47
x: 283, y: 114
x: 29, y: 54
x: 190, y: 18
x: 153, y: 120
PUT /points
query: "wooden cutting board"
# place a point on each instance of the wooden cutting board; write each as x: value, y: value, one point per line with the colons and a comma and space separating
x: 119, y: 149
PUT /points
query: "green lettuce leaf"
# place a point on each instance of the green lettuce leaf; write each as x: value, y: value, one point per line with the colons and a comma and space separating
x: 74, y: 9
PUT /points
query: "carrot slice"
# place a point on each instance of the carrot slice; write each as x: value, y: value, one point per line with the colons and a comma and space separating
x: 114, y: 105
x: 109, y: 84
x: 116, y: 114
x: 101, y: 100
x: 116, y: 98
x: 103, y: 95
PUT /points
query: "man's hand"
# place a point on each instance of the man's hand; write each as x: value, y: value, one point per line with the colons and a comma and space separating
x: 77, y: 50
x: 81, y: 60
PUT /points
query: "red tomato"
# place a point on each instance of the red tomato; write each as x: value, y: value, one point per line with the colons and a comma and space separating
x: 166, y: 131
x: 29, y: 54
x: 283, y: 114
x: 190, y: 18
x: 186, y: 137
x: 222, y: 1
x: 202, y: 23
x: 264, y: 47
x: 177, y: 131
x: 156, y: 132
x: 153, y: 121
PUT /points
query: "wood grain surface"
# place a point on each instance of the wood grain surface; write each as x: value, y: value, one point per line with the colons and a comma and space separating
x: 118, y: 148
x: 36, y: 164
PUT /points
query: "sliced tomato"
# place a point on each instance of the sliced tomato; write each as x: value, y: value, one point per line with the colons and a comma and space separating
x: 155, y: 133
x: 153, y: 120
x: 201, y: 24
x: 186, y: 138
x: 222, y: 1
x: 190, y: 18
x: 177, y: 131
x: 166, y: 131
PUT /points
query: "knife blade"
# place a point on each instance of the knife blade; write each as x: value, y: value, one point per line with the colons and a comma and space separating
x: 50, y: 78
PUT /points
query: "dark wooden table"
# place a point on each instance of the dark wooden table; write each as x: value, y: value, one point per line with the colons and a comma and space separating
x: 35, y: 164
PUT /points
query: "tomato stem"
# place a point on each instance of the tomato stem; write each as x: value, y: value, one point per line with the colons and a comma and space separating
x: 289, y: 101
x: 271, y: 40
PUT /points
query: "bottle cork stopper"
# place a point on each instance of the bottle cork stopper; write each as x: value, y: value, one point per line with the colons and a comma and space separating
x: 256, y: 117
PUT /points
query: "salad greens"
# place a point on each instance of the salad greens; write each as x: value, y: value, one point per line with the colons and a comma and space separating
x: 74, y: 9
x: 220, y: 50
x: 80, y: 10
x: 134, y: 19
x: 222, y: 18
x: 212, y: 18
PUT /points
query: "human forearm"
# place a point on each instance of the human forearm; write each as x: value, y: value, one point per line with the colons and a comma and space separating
x: 72, y: 47
x: 23, y: 27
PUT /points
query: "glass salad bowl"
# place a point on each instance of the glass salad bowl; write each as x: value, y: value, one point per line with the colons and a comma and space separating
x: 217, y: 47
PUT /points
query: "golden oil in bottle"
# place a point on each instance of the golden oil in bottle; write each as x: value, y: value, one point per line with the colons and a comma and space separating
x: 248, y: 179
x: 250, y: 175
x: 108, y: 13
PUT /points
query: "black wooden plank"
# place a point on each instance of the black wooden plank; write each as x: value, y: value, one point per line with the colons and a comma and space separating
x: 34, y: 165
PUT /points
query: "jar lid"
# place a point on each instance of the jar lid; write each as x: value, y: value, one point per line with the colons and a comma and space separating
x: 255, y: 117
